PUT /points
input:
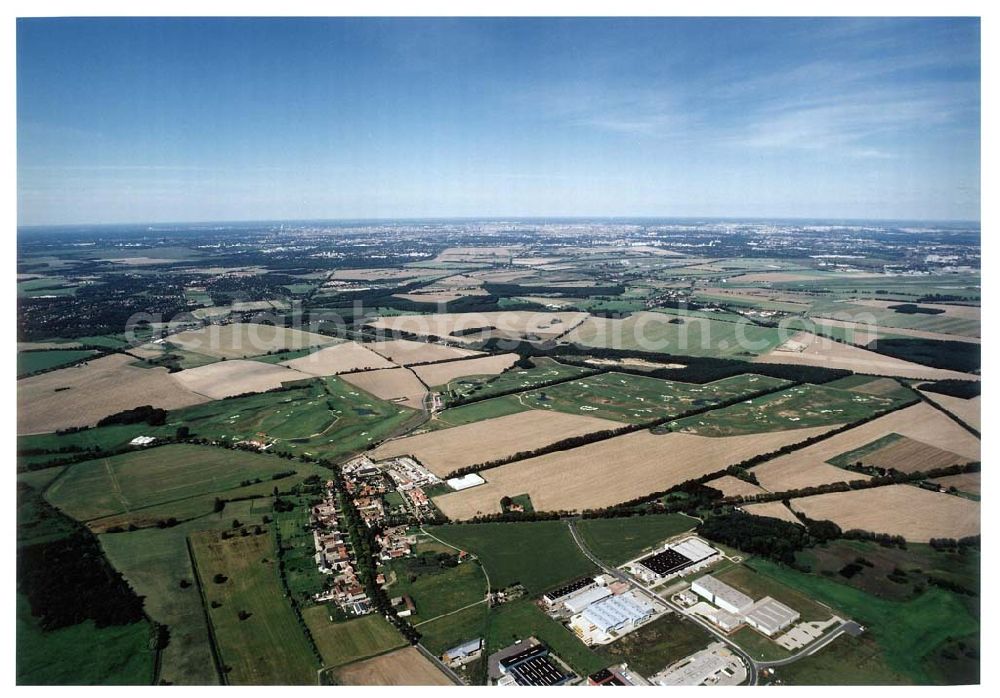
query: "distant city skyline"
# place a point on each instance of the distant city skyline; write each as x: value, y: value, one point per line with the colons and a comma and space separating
x: 161, y: 120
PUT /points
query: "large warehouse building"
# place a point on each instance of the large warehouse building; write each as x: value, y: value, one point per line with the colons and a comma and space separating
x: 770, y: 616
x: 682, y: 557
x: 721, y: 594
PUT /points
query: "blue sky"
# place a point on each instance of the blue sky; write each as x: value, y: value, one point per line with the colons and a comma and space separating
x: 194, y: 120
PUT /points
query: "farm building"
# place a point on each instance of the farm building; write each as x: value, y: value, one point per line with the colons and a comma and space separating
x: 464, y: 652
x: 721, y: 594
x: 465, y: 482
x: 770, y: 616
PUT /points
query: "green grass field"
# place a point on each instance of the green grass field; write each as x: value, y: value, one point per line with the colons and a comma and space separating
x: 131, y: 481
x: 847, y: 661
x: 436, y: 591
x: 446, y: 632
x: 268, y: 647
x: 907, y: 632
x: 795, y: 408
x: 545, y: 370
x: 298, y: 549
x: 635, y: 399
x: 756, y: 586
x: 154, y: 561
x: 657, y: 645
x: 521, y: 619
x: 616, y: 541
x: 351, y: 640
x: 31, y: 361
x: 326, y: 418
x: 477, y: 411
x: 692, y: 336
x: 503, y: 549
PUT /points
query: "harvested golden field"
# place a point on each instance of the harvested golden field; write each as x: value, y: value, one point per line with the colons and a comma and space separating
x: 972, y: 483
x: 774, y: 510
x: 442, y: 374
x: 863, y: 334
x: 964, y: 312
x: 81, y: 395
x: 393, y: 384
x: 509, y: 323
x: 612, y: 471
x: 491, y: 255
x: 340, y: 358
x: 227, y: 378
x: 775, y: 277
x: 968, y: 410
x: 821, y: 351
x: 446, y: 450
x: 808, y: 467
x: 903, y: 510
x: 439, y: 295
x: 733, y: 487
x: 879, y: 386
x: 403, y: 667
x: 242, y: 339
x: 406, y: 352
x: 379, y: 274
x: 909, y: 455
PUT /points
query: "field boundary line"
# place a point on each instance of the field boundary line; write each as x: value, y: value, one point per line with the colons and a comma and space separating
x: 212, y: 642
x: 954, y: 417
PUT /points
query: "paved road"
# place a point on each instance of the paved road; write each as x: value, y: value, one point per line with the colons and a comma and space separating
x: 748, y: 661
x: 813, y: 648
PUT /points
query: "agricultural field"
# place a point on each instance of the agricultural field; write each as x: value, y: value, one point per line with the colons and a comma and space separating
x: 406, y: 352
x: 507, y: 324
x: 501, y: 549
x: 895, y: 452
x: 339, y: 358
x: 578, y: 479
x: 797, y: 407
x: 441, y: 634
x: 398, y: 385
x: 140, y: 479
x: 442, y: 374
x: 81, y: 395
x: 240, y: 340
x: 348, y: 641
x: 773, y: 510
x: 731, y: 486
x: 402, y: 667
x: 230, y: 378
x: 157, y: 564
x: 445, y: 450
x: 810, y: 466
x: 637, y: 399
x: 684, y: 335
x: 618, y: 540
x: 900, y: 510
x: 259, y: 639
x: 807, y: 349
x: 34, y: 361
x: 967, y: 410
